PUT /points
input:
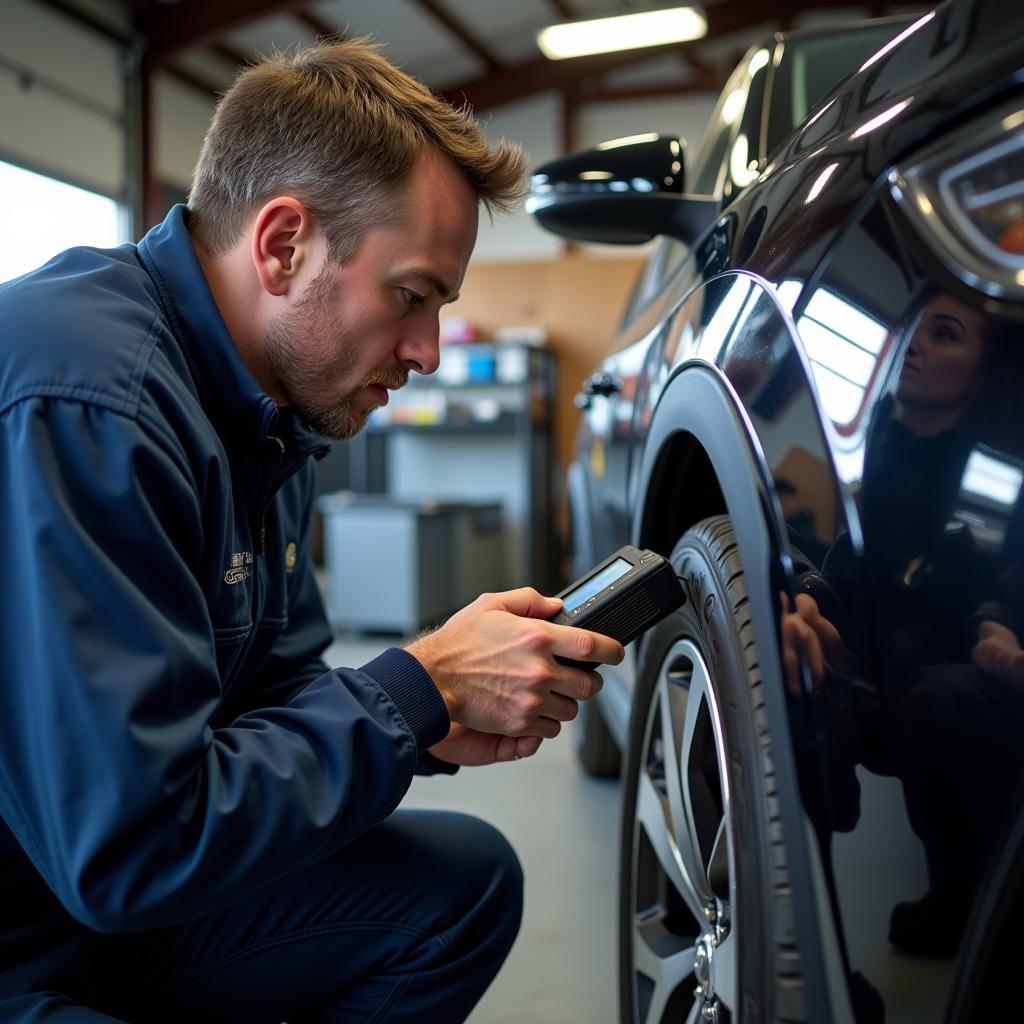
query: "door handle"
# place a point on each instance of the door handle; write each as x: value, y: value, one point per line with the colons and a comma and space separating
x: 603, y: 384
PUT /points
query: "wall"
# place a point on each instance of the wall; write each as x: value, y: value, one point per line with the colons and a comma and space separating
x: 62, y: 99
x: 578, y: 300
x: 181, y: 117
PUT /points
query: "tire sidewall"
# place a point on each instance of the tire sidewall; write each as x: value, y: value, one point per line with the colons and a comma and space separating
x: 709, y: 621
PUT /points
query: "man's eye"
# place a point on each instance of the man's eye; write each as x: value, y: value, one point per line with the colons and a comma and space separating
x: 412, y: 298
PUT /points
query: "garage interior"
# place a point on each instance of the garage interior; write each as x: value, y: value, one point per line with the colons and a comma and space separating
x: 103, y: 108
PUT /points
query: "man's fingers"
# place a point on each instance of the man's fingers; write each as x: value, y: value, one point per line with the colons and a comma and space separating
x: 542, y: 728
x: 790, y: 657
x: 563, y: 709
x: 577, y: 683
x: 583, y: 645
x: 831, y: 642
x: 810, y: 647
x: 1017, y: 668
x: 799, y: 640
x: 982, y: 654
x: 527, y: 746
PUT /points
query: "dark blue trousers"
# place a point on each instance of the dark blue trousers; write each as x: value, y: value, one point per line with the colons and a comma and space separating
x: 410, y: 922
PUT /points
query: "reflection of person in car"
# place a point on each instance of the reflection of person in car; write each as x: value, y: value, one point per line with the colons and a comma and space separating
x: 948, y: 665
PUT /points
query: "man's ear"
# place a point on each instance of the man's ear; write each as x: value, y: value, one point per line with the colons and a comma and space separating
x: 284, y: 244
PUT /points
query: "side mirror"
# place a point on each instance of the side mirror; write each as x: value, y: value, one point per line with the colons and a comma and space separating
x: 624, y: 192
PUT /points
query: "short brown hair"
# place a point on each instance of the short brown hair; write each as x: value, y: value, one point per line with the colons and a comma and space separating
x: 339, y: 127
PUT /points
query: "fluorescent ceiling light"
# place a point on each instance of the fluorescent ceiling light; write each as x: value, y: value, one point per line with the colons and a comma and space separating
x: 625, y: 32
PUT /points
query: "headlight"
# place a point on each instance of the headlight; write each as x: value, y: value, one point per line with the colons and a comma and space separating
x: 967, y: 195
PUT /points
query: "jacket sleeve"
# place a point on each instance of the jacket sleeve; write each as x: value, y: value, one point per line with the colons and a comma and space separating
x: 135, y: 810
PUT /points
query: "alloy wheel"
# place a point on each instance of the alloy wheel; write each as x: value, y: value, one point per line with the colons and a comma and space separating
x: 683, y: 938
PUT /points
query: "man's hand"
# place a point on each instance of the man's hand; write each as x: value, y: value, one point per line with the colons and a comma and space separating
x: 998, y: 651
x: 807, y: 634
x: 494, y: 663
x: 471, y: 748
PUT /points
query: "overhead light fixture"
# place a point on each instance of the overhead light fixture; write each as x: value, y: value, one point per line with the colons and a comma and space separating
x: 623, y: 32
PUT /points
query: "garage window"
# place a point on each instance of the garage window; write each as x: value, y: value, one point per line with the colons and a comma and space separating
x: 43, y: 216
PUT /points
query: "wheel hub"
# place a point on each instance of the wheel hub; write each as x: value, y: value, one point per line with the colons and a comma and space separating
x: 702, y: 967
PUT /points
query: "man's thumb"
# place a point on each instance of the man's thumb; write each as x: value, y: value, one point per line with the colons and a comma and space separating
x: 529, y: 603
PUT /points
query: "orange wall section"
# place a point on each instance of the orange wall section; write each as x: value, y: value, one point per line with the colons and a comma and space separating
x: 579, y: 301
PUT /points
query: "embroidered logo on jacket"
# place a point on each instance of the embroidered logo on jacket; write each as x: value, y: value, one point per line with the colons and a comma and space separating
x: 239, y: 571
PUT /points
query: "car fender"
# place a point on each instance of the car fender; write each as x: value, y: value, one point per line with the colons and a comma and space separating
x: 699, y: 407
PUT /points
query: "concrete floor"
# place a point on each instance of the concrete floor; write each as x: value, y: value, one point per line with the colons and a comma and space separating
x: 564, y: 827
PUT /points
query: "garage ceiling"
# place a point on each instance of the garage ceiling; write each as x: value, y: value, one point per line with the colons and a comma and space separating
x: 480, y: 51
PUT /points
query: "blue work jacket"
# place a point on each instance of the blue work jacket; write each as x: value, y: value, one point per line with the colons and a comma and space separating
x: 170, y: 738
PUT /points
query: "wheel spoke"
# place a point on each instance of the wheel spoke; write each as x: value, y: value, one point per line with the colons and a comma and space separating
x: 683, y: 849
x: 718, y: 866
x: 652, y: 817
x: 667, y: 973
x: 723, y: 967
x: 688, y: 836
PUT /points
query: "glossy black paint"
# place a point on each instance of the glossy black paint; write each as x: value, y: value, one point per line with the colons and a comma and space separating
x: 626, y: 191
x: 872, y: 462
x: 645, y: 163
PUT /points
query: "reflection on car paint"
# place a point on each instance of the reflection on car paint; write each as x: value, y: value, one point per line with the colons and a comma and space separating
x: 879, y: 376
x: 929, y: 676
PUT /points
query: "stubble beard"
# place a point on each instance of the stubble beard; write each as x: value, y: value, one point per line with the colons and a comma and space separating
x: 306, y: 350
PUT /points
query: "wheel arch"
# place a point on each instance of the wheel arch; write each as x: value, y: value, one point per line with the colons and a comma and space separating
x: 682, y: 490
x: 701, y: 457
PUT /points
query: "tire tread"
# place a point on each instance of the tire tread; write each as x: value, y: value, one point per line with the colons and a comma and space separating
x: 789, y: 989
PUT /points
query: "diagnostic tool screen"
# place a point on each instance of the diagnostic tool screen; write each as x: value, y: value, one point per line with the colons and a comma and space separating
x: 609, y: 574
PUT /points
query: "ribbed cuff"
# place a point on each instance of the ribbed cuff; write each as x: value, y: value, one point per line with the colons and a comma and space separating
x: 413, y: 692
x: 430, y: 765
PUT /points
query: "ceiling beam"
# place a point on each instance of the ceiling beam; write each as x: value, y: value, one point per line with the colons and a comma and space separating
x: 200, y: 84
x: 125, y: 38
x: 455, y: 27
x: 317, y: 26
x: 87, y: 20
x: 229, y: 54
x: 171, y: 28
x: 614, y: 94
x: 708, y: 77
x: 539, y: 75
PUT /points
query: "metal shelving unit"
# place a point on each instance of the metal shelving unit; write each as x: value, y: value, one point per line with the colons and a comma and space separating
x: 481, y: 429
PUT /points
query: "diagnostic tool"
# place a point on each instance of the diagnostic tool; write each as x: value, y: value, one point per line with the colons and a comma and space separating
x: 622, y: 597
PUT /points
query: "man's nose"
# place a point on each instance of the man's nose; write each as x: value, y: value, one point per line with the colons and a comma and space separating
x: 420, y: 349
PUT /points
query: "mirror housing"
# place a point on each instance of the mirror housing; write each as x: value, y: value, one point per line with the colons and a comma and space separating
x: 624, y: 192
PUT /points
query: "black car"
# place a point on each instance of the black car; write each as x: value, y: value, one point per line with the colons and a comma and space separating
x: 814, y: 407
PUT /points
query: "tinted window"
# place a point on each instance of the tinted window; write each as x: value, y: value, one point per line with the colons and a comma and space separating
x: 812, y: 67
x: 706, y: 177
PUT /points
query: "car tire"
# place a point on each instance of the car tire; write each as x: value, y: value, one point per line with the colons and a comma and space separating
x: 705, y: 917
x: 596, y: 748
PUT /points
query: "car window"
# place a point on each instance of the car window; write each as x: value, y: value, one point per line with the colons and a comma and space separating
x: 708, y: 168
x: 751, y: 126
x: 812, y: 67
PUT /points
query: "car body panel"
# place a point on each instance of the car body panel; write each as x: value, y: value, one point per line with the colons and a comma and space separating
x: 783, y: 353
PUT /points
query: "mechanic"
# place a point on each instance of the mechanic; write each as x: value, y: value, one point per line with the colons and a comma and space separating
x: 196, y: 813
